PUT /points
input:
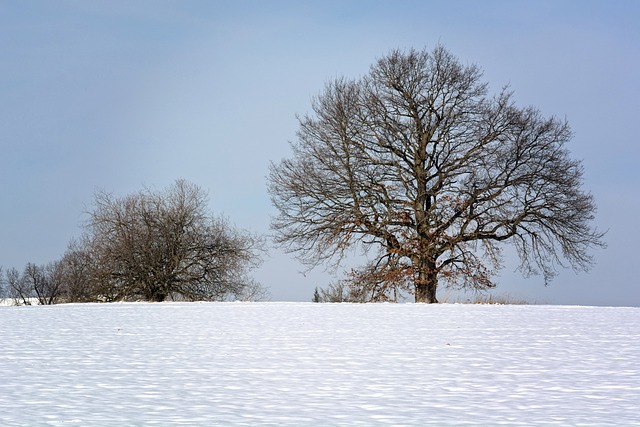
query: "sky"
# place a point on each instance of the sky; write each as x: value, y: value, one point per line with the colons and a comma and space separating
x: 117, y: 95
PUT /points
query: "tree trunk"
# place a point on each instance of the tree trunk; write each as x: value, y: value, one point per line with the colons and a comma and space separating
x: 426, y: 292
x: 427, y: 283
x: 156, y: 293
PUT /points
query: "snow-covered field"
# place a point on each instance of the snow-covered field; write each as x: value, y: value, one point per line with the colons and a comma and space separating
x: 304, y: 364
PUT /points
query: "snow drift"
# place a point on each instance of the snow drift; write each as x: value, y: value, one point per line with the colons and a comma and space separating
x: 303, y: 364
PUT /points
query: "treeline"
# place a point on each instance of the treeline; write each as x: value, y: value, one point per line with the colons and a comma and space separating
x: 147, y: 246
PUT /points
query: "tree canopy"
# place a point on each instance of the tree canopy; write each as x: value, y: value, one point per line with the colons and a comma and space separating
x: 153, y: 245
x: 417, y: 164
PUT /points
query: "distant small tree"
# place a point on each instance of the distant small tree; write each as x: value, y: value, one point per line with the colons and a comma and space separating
x: 44, y: 283
x: 417, y: 165
x: 343, y: 291
x: 158, y: 245
x: 251, y: 291
x: 336, y: 292
x: 19, y: 289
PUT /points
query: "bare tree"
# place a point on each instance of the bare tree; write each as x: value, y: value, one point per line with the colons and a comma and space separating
x: 19, y: 289
x: 44, y: 282
x: 156, y: 245
x: 418, y: 165
x: 361, y: 286
x: 346, y: 291
x: 335, y: 292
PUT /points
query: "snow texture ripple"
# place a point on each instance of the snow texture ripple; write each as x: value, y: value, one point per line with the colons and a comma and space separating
x: 299, y: 364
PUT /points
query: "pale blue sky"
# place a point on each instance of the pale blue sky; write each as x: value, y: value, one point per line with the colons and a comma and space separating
x: 120, y: 94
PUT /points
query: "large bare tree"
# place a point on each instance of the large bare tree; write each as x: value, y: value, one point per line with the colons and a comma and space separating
x: 418, y: 164
x: 154, y: 245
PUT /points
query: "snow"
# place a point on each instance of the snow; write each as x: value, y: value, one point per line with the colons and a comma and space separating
x: 7, y: 302
x: 305, y: 364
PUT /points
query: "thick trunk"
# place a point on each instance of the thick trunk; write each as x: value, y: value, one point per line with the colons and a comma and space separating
x: 426, y: 292
x: 427, y: 283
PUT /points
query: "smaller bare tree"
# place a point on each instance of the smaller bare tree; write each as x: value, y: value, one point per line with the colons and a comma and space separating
x: 157, y: 245
x: 42, y: 282
x: 335, y: 292
x: 358, y: 287
x: 19, y: 289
